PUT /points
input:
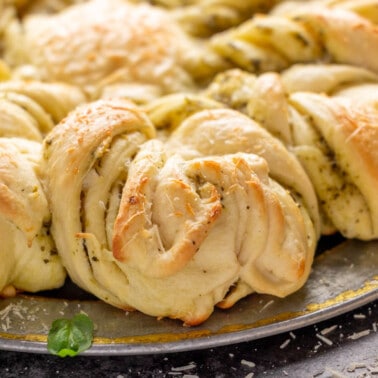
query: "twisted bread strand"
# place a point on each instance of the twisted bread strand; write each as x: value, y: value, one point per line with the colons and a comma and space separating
x: 205, y: 18
x: 366, y: 8
x: 86, y: 164
x: 190, y: 223
x: 216, y: 222
x: 29, y: 261
x: 341, y: 160
x: 168, y: 112
x: 325, y: 78
x: 202, y: 137
x: 333, y: 136
x: 30, y: 109
x: 220, y: 132
x: 235, y: 88
x: 207, y: 136
x: 308, y: 34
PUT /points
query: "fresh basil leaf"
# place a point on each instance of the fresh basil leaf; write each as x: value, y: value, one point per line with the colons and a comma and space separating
x: 69, y: 337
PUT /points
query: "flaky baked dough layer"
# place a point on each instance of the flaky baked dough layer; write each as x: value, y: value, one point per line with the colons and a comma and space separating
x: 170, y: 229
x: 29, y: 260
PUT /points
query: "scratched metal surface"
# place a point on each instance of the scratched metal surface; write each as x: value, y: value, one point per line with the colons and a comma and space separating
x: 343, y: 278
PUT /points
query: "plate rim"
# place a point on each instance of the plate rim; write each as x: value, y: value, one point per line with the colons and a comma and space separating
x: 208, y: 341
x: 336, y: 304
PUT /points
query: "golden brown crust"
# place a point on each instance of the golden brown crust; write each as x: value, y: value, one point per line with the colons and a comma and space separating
x: 168, y: 228
x: 134, y: 219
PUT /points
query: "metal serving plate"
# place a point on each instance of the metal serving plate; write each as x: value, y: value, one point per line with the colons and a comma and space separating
x: 343, y: 278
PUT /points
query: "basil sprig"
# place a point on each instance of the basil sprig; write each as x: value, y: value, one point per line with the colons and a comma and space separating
x: 69, y: 337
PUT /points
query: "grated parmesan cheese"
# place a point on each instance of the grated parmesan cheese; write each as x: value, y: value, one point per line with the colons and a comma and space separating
x: 358, y: 335
x: 324, y: 339
x: 192, y: 365
x: 317, y: 346
x: 248, y: 363
x: 328, y: 330
x: 335, y: 374
x: 268, y: 304
x: 351, y: 368
x: 285, y: 344
x: 10, y: 311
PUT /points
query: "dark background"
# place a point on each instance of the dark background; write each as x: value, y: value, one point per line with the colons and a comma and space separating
x: 351, y: 354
